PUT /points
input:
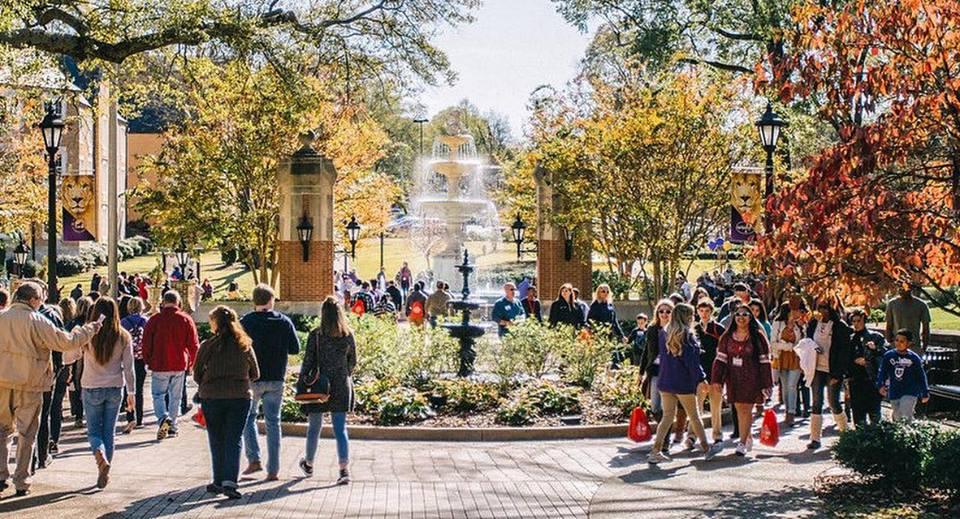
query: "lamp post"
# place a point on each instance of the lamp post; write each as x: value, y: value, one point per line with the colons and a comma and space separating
x: 20, y: 256
x: 183, y: 257
x: 519, y: 229
x: 353, y: 232
x: 567, y: 243
x: 305, y: 234
x: 381, y: 250
x: 769, y: 126
x: 52, y: 129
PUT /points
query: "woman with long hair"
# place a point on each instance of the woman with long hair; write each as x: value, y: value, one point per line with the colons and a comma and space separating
x: 603, y: 313
x: 564, y: 309
x: 786, y: 332
x: 224, y: 369
x: 108, y: 369
x: 681, y: 378
x: 834, y: 357
x: 743, y: 366
x: 331, y: 352
x: 650, y: 365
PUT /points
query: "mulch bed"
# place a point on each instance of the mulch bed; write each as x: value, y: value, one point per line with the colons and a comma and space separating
x: 850, y: 495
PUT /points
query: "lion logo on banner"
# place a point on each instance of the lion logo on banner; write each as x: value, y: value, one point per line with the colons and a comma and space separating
x: 79, y: 207
x: 745, y: 196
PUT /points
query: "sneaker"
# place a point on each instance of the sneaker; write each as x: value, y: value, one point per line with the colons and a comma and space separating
x: 214, y: 488
x: 21, y: 493
x: 164, y: 429
x: 657, y: 457
x: 54, y: 449
x: 103, y: 469
x: 306, y: 468
x: 344, y: 478
x: 712, y: 452
x: 688, y: 444
x: 173, y: 433
x: 813, y: 445
x: 254, y: 466
x: 232, y: 493
x: 127, y: 429
x: 741, y: 449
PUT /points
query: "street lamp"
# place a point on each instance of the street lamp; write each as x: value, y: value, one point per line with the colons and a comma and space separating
x: 353, y: 232
x: 769, y: 126
x: 305, y: 233
x: 20, y: 256
x: 519, y: 229
x: 52, y: 127
x: 567, y: 243
x: 183, y: 257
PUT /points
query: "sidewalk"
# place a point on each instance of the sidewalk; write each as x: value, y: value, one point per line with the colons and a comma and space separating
x: 576, y: 479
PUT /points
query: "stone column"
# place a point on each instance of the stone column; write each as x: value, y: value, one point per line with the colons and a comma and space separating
x: 553, y: 269
x: 306, y: 182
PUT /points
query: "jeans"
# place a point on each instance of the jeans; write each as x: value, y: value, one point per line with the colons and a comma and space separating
x: 315, y: 424
x: 904, y: 407
x: 140, y: 369
x: 225, y: 421
x: 56, y: 406
x: 271, y: 393
x: 655, y: 403
x: 167, y: 384
x: 102, y: 405
x: 865, y: 402
x: 689, y: 403
x: 821, y: 381
x: 789, y: 389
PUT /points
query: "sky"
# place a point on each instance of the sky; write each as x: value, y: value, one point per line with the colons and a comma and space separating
x: 513, y: 47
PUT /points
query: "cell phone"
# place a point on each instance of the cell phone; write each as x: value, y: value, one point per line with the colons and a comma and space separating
x: 101, y: 318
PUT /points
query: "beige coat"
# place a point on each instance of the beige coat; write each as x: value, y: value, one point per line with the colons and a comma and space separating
x: 26, y: 339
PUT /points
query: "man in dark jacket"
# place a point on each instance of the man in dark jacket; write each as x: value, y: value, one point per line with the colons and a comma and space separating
x: 274, y: 338
x: 394, y: 294
x: 169, y: 349
x: 868, y: 349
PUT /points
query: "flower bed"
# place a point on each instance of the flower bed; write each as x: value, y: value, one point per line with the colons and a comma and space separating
x: 535, y: 376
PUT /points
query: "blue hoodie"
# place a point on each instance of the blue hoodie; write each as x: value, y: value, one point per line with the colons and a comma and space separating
x: 903, y: 375
x: 680, y: 375
x: 274, y: 337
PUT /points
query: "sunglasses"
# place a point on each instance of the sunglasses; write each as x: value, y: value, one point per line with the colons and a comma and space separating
x: 664, y: 311
x: 741, y: 315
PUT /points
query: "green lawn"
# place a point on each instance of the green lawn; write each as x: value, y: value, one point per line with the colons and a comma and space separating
x: 941, y: 320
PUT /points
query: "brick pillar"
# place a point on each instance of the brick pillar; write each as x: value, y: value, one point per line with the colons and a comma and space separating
x: 553, y: 269
x: 306, y: 188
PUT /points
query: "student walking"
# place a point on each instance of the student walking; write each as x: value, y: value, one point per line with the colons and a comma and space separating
x: 786, y: 332
x: 169, y: 349
x: 108, y: 370
x: 832, y: 336
x: 331, y: 352
x: 868, y: 349
x: 650, y: 366
x: 681, y: 378
x: 134, y: 324
x: 225, y: 368
x: 708, y: 334
x: 564, y: 309
x: 902, y: 378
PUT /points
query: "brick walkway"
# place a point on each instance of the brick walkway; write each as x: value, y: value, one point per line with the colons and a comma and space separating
x: 593, y: 478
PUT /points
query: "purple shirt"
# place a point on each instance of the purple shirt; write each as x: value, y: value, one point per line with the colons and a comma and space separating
x: 680, y: 375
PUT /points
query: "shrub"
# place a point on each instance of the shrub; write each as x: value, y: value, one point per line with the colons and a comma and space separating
x: 402, y: 405
x: 291, y: 411
x: 582, y: 355
x: 896, y: 453
x: 464, y: 396
x: 942, y: 471
x: 68, y: 265
x: 31, y: 269
x: 367, y: 394
x: 517, y: 412
x: 203, y: 331
x: 526, y: 351
x: 124, y: 251
x: 549, y: 398
x: 620, y: 388
x: 305, y: 323
x: 406, y: 354
x: 94, y: 255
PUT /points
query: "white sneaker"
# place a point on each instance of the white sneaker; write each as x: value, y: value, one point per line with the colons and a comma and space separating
x: 712, y: 452
x: 742, y: 449
x: 657, y: 457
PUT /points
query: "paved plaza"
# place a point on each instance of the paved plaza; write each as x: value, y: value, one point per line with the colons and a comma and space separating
x: 587, y: 478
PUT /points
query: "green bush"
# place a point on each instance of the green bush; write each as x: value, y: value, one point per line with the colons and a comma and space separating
x: 402, y: 405
x: 619, y: 284
x: 620, y: 388
x: 367, y: 394
x: 551, y: 399
x: 464, y: 396
x: 896, y: 453
x: 291, y: 411
x: 582, y: 355
x: 31, y: 269
x: 68, y: 265
x: 124, y: 251
x: 409, y: 355
x: 526, y: 351
x: 517, y: 412
x: 305, y: 323
x: 94, y: 255
x: 203, y: 331
x: 942, y: 470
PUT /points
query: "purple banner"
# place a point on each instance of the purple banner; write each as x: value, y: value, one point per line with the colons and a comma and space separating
x: 740, y: 231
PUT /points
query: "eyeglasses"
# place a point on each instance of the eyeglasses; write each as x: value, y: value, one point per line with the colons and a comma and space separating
x: 664, y: 311
x: 741, y: 315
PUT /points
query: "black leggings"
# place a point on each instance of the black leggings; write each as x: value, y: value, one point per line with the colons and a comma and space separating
x: 140, y: 368
x: 821, y: 382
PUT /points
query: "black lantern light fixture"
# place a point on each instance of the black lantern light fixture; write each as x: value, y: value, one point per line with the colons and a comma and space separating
x: 183, y: 257
x: 769, y: 126
x: 52, y: 127
x: 519, y: 229
x: 567, y: 243
x: 305, y: 234
x: 353, y: 233
x: 20, y: 253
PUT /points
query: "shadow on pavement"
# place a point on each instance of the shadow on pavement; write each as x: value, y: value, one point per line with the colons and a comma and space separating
x: 785, y: 502
x: 18, y: 504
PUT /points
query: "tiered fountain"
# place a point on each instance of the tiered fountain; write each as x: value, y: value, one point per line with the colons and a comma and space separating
x: 465, y: 332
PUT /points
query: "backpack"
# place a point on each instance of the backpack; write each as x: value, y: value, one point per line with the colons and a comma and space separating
x: 359, y: 307
x: 416, y: 311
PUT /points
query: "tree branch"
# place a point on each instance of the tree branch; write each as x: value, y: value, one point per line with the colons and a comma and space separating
x: 738, y: 36
x: 718, y: 65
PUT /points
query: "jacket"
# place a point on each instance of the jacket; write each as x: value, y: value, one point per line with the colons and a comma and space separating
x: 605, y: 313
x: 650, y: 364
x: 858, y: 341
x: 806, y: 349
x: 337, y: 357
x: 224, y: 372
x: 562, y: 312
x: 274, y: 338
x: 709, y: 338
x: 903, y: 375
x: 436, y: 305
x: 840, y: 352
x: 532, y: 309
x: 170, y: 341
x: 680, y: 375
x: 117, y: 372
x: 26, y: 340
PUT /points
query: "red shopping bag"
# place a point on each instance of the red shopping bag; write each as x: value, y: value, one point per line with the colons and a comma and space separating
x: 770, y: 431
x: 199, y: 418
x: 639, y: 430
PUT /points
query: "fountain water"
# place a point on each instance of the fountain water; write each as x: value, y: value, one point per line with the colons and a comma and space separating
x: 450, y: 206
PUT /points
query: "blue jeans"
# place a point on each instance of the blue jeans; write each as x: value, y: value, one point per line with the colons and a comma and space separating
x: 904, y: 407
x: 655, y: 405
x: 163, y: 385
x: 789, y: 378
x: 271, y: 393
x: 821, y: 382
x: 102, y: 406
x: 226, y: 419
x: 315, y: 424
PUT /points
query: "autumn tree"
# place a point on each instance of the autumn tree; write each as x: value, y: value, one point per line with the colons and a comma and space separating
x: 23, y: 170
x: 880, y: 208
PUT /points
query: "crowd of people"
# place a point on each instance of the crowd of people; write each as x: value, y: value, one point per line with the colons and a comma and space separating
x: 705, y: 345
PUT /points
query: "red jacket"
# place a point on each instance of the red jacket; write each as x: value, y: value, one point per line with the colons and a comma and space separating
x: 170, y: 341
